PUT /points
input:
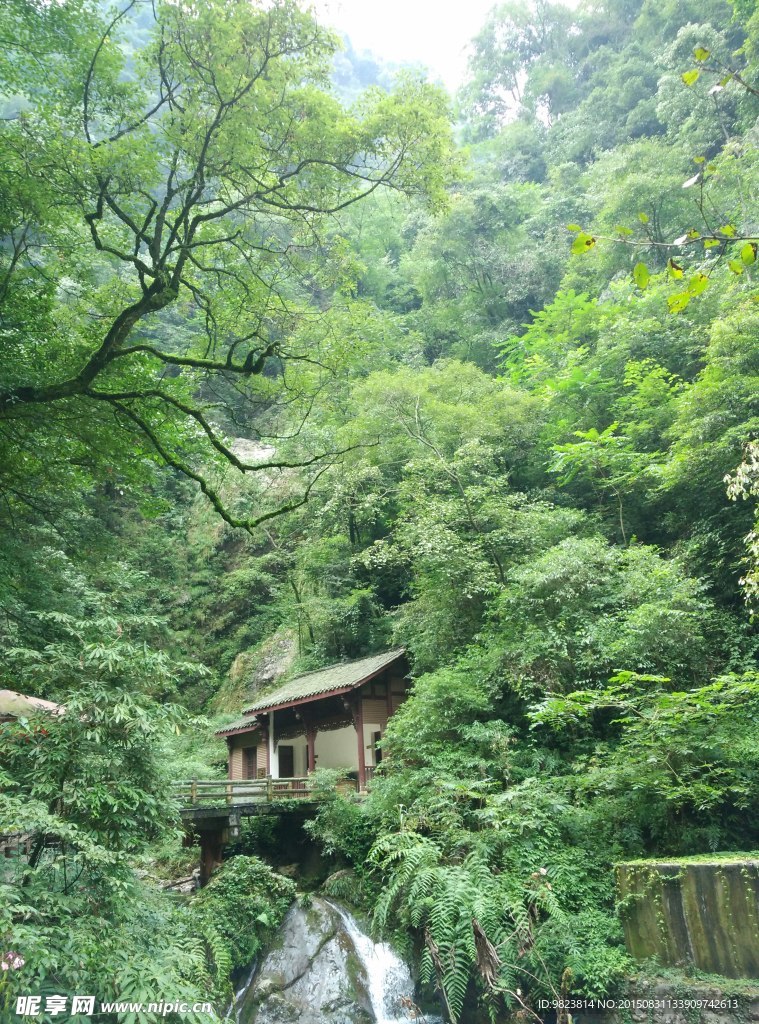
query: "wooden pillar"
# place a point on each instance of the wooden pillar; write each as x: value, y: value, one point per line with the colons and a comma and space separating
x: 211, y: 844
x: 230, y: 746
x: 310, y: 748
x: 272, y: 760
x: 358, y: 722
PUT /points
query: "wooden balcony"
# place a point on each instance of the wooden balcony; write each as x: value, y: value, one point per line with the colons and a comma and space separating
x: 237, y: 792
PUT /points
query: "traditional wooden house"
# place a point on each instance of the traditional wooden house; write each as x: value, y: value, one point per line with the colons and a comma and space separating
x: 332, y: 718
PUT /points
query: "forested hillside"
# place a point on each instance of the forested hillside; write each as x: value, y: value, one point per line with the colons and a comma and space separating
x: 289, y: 365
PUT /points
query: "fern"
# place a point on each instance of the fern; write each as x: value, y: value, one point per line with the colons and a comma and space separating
x: 219, y: 953
x: 497, y: 928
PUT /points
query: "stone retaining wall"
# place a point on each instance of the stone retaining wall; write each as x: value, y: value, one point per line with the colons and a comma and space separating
x: 693, y: 911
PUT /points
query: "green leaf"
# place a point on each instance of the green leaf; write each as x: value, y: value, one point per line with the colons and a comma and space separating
x: 727, y: 229
x: 736, y: 266
x: 675, y: 270
x: 748, y: 253
x: 583, y: 243
x: 643, y: 218
x: 691, y: 77
x: 641, y: 275
x: 701, y: 54
x: 709, y: 243
x: 622, y: 230
x: 573, y: 227
x: 678, y: 302
x: 697, y: 284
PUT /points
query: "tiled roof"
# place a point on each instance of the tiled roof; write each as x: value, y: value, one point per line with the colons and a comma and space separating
x: 338, y: 678
x: 239, y: 725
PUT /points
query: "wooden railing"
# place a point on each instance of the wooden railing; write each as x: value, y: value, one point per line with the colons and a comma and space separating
x: 199, y: 792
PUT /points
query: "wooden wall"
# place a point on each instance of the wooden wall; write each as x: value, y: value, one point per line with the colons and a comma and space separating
x: 237, y: 756
x: 235, y: 760
x: 374, y: 699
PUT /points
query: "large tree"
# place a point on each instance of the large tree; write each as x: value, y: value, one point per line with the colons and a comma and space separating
x: 168, y: 177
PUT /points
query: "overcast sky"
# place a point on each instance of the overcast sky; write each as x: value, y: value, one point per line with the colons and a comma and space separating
x: 430, y: 32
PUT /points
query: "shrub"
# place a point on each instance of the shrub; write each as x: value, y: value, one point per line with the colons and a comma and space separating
x: 243, y: 904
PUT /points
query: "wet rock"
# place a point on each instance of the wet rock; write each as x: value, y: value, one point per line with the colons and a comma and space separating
x: 312, y: 976
x: 255, y: 670
x: 288, y: 870
x: 270, y: 661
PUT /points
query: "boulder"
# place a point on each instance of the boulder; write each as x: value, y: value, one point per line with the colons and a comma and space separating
x: 313, y: 975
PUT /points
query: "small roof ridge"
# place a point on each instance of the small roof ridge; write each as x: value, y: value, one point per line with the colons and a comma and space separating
x: 16, y: 704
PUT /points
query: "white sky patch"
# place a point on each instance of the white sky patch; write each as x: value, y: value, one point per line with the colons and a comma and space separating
x: 429, y: 32
x: 435, y: 33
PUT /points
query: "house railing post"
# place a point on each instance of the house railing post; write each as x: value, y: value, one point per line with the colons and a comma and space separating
x: 269, y: 788
x: 194, y: 791
x: 229, y: 792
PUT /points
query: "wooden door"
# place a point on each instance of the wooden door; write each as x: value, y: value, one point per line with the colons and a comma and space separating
x: 286, y: 762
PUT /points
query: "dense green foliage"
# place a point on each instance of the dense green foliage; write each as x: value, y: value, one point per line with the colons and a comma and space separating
x: 243, y: 903
x: 518, y: 444
x: 90, y: 789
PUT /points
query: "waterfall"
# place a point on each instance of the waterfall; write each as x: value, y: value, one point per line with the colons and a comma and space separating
x: 323, y: 969
x: 389, y: 977
x: 234, y: 1006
